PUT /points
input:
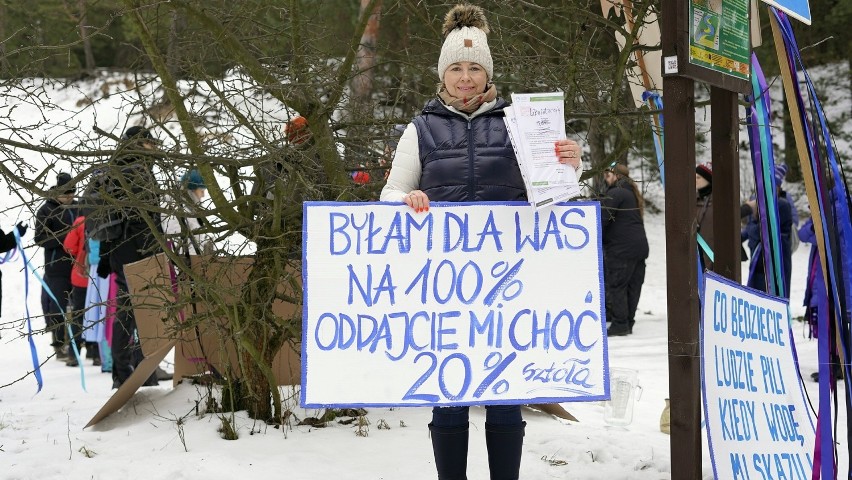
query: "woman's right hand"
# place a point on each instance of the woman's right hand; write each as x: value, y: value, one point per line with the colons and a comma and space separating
x: 417, y: 200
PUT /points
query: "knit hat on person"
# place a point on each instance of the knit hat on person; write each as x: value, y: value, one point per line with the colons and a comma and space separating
x: 780, y: 173
x: 706, y: 171
x: 297, y: 130
x: 192, y: 180
x: 465, y: 39
x: 63, y: 179
x: 138, y: 132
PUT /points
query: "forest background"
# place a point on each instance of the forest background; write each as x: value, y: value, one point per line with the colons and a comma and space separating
x: 217, y: 80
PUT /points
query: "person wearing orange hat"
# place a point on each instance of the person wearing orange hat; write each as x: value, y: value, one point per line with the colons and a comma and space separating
x: 297, y: 130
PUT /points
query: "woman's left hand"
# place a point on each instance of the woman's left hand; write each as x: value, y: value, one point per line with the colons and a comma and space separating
x: 568, y: 152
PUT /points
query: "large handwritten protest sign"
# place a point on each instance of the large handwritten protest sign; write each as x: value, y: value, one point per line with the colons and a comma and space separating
x: 465, y: 304
x: 758, y: 424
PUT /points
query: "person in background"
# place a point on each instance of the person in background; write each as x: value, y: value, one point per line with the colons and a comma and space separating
x: 52, y: 223
x: 128, y: 167
x: 97, y: 325
x: 757, y: 273
x: 781, y: 172
x: 816, y: 297
x: 75, y: 245
x: 458, y: 150
x: 704, y: 210
x: 293, y: 160
x: 7, y: 244
x: 181, y: 226
x: 625, y: 247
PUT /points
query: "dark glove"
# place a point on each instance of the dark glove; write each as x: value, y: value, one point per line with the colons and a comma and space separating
x: 22, y: 229
x: 104, y: 268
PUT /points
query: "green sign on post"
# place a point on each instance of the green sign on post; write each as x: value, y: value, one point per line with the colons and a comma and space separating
x: 719, y: 36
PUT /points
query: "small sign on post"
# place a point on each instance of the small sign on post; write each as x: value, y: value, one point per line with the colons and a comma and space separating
x: 720, y: 38
x: 466, y: 304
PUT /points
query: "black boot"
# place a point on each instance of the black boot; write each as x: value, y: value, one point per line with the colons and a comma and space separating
x: 505, y: 444
x: 450, y: 447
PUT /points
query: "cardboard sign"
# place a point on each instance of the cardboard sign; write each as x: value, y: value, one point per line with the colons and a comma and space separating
x: 758, y: 423
x: 208, y: 346
x: 466, y: 304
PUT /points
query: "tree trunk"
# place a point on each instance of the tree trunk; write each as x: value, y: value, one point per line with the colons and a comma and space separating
x: 597, y: 147
x: 173, y: 50
x: 362, y: 84
x: 4, y: 62
x: 84, y: 36
x: 260, y: 334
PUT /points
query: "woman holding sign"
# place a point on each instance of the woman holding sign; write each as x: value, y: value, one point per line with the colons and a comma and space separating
x: 458, y: 150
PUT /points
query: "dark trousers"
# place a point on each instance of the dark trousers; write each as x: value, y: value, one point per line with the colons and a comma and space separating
x: 54, y: 310
x: 494, y: 414
x: 78, y: 304
x: 624, y: 279
x: 126, y: 351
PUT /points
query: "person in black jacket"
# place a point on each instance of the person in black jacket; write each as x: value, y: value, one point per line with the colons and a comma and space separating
x: 625, y: 249
x: 7, y: 243
x: 53, y: 221
x: 129, y: 180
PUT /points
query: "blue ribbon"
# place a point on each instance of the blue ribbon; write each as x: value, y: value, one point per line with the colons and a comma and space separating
x: 33, y: 350
x: 764, y: 164
x: 655, y: 103
x: 838, y: 272
x: 29, y: 322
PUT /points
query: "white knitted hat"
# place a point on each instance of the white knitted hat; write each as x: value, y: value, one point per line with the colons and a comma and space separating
x: 466, y: 40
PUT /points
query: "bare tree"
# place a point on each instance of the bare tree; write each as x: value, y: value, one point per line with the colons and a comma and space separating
x: 246, y: 68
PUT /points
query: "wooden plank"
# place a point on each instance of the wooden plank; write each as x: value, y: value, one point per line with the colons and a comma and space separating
x: 724, y: 138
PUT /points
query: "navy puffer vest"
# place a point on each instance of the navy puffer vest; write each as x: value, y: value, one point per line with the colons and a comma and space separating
x: 467, y: 161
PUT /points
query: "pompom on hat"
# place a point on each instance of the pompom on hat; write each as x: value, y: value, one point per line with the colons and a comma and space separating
x: 465, y: 39
x: 705, y: 170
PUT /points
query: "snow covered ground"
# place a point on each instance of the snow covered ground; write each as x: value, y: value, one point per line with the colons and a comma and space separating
x: 158, y: 435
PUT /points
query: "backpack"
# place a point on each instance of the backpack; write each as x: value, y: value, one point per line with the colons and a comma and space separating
x: 104, y: 221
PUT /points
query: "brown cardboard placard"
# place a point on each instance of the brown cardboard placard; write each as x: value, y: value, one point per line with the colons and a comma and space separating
x: 127, y: 389
x: 554, y: 409
x: 197, y: 350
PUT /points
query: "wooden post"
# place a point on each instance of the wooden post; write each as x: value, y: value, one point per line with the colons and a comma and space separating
x: 724, y: 136
x: 682, y: 278
x: 681, y: 251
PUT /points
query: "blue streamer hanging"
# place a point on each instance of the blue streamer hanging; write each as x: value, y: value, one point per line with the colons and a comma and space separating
x: 33, y: 350
x: 834, y: 216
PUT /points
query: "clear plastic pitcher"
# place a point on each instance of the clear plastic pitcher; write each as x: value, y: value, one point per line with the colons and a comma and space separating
x: 624, y: 389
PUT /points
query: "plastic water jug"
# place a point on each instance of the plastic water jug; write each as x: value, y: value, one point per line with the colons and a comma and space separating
x: 624, y: 389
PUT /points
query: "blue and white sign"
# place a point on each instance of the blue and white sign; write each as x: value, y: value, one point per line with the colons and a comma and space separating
x: 799, y: 9
x: 758, y: 423
x: 465, y: 304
